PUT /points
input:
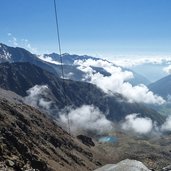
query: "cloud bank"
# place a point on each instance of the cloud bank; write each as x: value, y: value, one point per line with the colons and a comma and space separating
x: 137, y: 124
x: 48, y: 59
x: 167, y: 124
x: 117, y: 82
x: 134, y: 61
x: 134, y: 123
x: 38, y: 96
x: 89, y: 117
x: 167, y: 69
x: 86, y: 118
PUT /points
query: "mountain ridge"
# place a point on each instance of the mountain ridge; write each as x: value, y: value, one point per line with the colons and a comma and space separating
x: 19, y: 77
x: 71, y: 71
x: 69, y: 59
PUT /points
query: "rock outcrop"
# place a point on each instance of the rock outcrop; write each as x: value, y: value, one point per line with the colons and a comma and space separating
x: 86, y: 140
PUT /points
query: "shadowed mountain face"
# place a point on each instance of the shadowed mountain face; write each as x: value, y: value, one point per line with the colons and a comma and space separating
x: 19, y: 77
x: 31, y: 140
x: 162, y: 87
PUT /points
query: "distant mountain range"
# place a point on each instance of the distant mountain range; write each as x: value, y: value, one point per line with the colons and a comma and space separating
x: 162, y: 87
x: 71, y: 71
x: 19, y: 77
x: 69, y: 60
x: 151, y: 71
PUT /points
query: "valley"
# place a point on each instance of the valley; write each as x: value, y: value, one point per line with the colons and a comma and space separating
x: 112, y: 127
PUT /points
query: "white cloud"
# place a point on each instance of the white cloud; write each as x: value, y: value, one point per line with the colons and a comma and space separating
x: 38, y: 96
x: 167, y: 124
x: 137, y: 124
x: 86, y: 118
x: 89, y: 117
x: 48, y: 59
x: 21, y: 43
x: 143, y: 125
x: 117, y: 82
x: 140, y: 94
x: 167, y: 69
x: 134, y: 61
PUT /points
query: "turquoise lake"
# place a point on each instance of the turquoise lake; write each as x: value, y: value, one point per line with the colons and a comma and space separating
x: 108, y: 139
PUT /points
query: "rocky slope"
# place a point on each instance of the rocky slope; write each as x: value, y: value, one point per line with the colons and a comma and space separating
x: 19, y: 77
x: 31, y: 140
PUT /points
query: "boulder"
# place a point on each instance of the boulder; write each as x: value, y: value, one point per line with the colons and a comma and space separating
x: 167, y: 168
x: 86, y: 140
x: 10, y: 163
x: 125, y: 165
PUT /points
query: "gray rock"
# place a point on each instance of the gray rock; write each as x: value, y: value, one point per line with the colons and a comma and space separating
x: 10, y: 163
x: 167, y: 168
x: 86, y: 140
x: 125, y: 165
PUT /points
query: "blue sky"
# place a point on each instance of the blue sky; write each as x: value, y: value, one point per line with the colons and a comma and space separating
x: 97, y: 27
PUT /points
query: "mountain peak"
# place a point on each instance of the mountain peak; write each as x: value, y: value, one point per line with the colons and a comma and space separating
x: 5, y: 55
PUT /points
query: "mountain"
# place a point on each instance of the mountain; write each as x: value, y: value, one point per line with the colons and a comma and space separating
x: 138, y: 79
x: 19, y: 77
x: 70, y: 66
x: 11, y: 55
x: 71, y: 70
x: 68, y: 59
x: 30, y: 140
x: 149, y: 69
x: 162, y: 87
